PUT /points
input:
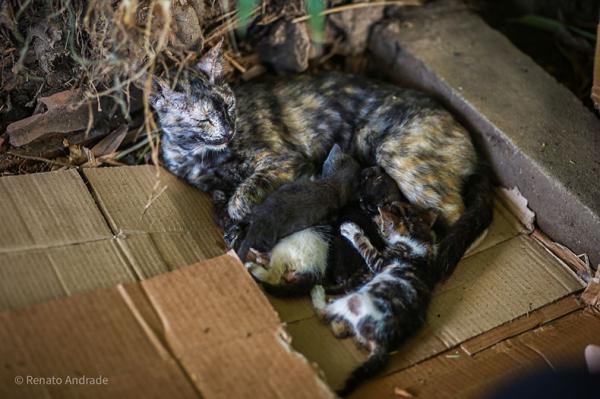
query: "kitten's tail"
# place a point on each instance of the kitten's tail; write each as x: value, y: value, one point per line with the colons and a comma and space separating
x: 478, y: 197
x: 377, y: 360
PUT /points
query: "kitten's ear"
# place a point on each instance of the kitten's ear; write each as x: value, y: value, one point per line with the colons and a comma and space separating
x: 329, y: 166
x: 211, y: 63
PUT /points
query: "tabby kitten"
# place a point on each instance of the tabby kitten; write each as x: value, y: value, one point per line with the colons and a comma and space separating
x: 283, y: 128
x: 393, y: 303
x: 346, y: 269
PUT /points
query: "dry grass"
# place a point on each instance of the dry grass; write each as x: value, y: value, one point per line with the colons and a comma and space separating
x: 108, y: 48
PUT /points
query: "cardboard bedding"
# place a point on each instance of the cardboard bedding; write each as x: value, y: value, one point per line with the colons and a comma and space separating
x: 201, y: 327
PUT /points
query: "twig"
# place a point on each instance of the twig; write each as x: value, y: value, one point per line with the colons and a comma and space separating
x: 355, y: 6
x: 40, y: 159
x: 236, y: 64
x: 133, y: 148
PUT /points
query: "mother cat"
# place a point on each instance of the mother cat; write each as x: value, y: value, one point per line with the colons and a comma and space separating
x: 278, y: 131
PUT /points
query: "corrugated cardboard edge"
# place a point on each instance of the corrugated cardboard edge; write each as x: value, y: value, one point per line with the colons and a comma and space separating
x: 517, y: 205
x: 565, y: 255
x: 591, y: 295
x: 596, y: 87
x: 285, y: 340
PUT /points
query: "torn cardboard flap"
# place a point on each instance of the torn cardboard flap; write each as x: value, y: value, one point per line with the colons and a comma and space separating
x: 190, y: 334
x: 518, y: 207
x: 229, y: 298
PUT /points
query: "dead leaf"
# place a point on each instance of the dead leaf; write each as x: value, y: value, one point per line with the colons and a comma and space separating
x: 57, y: 119
x: 79, y: 155
x: 65, y: 113
x: 110, y: 143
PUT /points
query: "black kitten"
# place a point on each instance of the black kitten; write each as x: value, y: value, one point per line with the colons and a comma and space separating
x: 302, y: 204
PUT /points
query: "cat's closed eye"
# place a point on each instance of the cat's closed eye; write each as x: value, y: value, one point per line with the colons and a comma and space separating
x: 203, y: 121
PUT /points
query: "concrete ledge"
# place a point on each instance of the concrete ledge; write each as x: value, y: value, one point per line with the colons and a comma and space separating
x: 537, y: 134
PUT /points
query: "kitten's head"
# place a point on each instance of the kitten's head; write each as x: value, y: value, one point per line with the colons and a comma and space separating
x: 376, y: 189
x: 199, y: 113
x: 400, y: 221
x: 338, y: 161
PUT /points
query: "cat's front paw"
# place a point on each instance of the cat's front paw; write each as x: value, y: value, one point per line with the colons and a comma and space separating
x: 350, y: 230
x: 238, y: 207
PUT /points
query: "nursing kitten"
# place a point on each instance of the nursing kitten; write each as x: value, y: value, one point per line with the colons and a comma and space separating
x: 346, y: 269
x: 284, y: 128
x: 315, y: 255
x: 301, y: 204
x: 393, y: 303
x: 300, y: 213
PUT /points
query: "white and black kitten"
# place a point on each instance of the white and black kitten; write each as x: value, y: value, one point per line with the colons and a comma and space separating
x: 393, y: 304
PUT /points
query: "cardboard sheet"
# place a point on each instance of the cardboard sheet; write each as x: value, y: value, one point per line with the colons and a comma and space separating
x: 488, y: 289
x: 137, y: 200
x: 63, y: 237
x: 29, y: 277
x: 457, y: 375
x: 188, y: 333
x: 47, y: 209
x: 126, y: 225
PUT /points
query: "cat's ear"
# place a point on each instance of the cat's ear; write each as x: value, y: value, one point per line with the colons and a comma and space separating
x: 161, y: 91
x: 211, y: 63
x: 331, y: 162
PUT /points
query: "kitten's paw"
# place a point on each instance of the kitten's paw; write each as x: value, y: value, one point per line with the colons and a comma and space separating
x: 260, y: 273
x: 262, y: 258
x: 341, y: 328
x: 350, y: 230
x: 319, y: 300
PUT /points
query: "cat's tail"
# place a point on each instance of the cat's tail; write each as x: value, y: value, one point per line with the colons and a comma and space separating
x: 376, y: 361
x: 478, y: 196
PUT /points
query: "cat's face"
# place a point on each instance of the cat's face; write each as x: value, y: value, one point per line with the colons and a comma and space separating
x: 198, y: 114
x: 398, y: 219
x: 377, y: 188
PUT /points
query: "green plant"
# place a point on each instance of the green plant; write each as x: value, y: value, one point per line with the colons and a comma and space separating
x: 314, y: 9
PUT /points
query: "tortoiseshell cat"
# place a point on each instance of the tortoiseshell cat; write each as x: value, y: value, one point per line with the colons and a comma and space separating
x: 393, y: 303
x: 282, y: 129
